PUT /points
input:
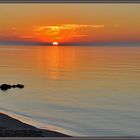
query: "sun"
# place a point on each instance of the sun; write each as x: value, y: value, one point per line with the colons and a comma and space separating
x: 55, y: 43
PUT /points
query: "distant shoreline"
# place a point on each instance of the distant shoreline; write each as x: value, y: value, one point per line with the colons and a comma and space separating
x: 34, y: 43
x: 11, y: 127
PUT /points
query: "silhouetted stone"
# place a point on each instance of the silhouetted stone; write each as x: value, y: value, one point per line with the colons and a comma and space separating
x: 20, y: 86
x: 14, y: 86
x: 5, y: 86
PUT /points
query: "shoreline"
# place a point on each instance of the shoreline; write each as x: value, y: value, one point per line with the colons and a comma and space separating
x: 11, y: 127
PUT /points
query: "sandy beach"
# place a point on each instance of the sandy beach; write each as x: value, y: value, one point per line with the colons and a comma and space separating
x: 10, y: 127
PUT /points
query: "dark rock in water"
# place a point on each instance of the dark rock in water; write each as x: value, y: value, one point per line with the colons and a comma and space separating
x: 5, y: 86
x: 20, y: 86
x: 14, y: 86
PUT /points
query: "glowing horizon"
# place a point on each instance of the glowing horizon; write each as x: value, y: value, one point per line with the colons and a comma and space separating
x: 68, y: 23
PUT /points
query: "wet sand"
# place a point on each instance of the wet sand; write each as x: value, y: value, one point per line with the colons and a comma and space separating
x: 10, y: 127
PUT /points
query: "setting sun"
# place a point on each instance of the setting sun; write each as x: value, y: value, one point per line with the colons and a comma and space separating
x: 55, y: 43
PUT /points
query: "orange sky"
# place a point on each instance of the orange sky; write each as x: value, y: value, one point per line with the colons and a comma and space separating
x: 70, y: 22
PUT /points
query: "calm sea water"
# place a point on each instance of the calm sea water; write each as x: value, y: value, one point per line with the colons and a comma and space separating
x: 80, y: 91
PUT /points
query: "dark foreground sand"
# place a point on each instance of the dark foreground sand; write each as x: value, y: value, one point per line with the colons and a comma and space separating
x: 10, y: 127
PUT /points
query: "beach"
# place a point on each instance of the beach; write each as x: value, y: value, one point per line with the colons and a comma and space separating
x: 11, y: 127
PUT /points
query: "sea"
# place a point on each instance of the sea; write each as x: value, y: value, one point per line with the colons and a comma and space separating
x: 76, y: 90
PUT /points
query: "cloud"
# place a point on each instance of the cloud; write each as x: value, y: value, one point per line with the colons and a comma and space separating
x: 13, y: 28
x: 65, y: 30
x: 66, y: 27
x: 26, y: 36
x: 78, y: 35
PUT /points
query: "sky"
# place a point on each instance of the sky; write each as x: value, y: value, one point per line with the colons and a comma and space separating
x: 68, y: 23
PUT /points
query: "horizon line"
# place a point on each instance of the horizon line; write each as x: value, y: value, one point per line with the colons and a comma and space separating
x: 37, y: 43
